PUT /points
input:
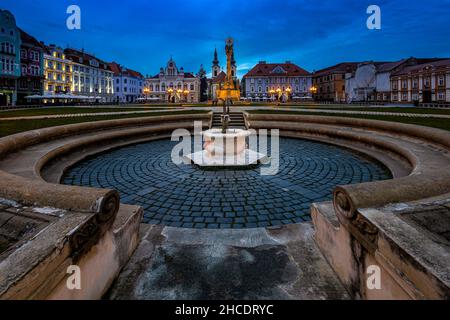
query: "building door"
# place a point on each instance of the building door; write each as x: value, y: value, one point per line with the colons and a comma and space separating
x: 426, y: 96
x: 3, y: 99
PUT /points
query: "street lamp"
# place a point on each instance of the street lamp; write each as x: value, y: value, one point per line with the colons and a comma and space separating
x: 288, y: 93
x: 185, y: 93
x: 170, y: 92
x: 279, y: 92
x: 272, y: 94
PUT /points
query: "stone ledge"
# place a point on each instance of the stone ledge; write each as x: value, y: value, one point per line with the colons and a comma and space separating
x: 361, y: 228
x: 95, y: 229
x: 425, y: 150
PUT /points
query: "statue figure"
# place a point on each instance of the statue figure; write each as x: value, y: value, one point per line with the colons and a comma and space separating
x: 229, y: 50
x: 227, y: 93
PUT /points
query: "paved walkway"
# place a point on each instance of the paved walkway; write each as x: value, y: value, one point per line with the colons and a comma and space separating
x: 253, y: 264
x: 238, y: 108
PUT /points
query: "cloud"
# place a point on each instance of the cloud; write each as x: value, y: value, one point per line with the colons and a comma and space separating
x: 143, y: 34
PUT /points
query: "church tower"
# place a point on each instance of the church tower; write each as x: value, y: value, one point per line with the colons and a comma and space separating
x: 215, y: 65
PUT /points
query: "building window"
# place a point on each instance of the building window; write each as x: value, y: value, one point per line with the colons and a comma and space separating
x: 441, y: 96
x: 395, y: 85
x: 404, y: 84
x: 7, y: 47
x: 441, y: 81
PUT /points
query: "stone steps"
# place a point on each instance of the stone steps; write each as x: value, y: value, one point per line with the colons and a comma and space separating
x: 237, y: 120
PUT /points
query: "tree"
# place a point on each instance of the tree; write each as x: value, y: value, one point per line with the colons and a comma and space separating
x: 203, y: 84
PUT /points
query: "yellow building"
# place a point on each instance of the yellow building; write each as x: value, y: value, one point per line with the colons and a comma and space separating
x: 57, y: 71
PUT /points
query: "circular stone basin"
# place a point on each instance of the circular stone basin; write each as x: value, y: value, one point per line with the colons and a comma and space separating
x: 187, y: 196
x: 231, y: 143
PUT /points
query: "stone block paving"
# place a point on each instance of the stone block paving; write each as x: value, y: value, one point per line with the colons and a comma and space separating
x: 189, y: 197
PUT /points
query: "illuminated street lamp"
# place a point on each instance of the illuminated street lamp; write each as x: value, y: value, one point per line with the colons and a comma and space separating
x: 185, y: 93
x: 272, y: 94
x: 178, y: 95
x: 288, y: 92
x: 170, y: 92
x: 313, y: 90
x: 280, y: 93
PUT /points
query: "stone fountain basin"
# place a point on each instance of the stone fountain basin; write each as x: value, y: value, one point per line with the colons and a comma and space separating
x: 233, y: 142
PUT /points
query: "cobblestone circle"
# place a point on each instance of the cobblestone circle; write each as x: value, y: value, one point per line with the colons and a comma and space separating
x: 190, y: 197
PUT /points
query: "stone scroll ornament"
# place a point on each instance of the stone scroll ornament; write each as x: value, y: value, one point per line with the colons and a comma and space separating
x: 347, y: 213
x: 88, y: 234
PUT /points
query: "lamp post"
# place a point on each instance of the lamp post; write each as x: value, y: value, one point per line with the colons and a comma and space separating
x: 313, y: 91
x: 272, y: 94
x: 279, y: 93
x: 179, y: 92
x: 288, y: 93
x: 185, y: 93
x: 170, y: 92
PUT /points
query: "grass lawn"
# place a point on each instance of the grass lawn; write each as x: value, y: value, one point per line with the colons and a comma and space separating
x: 69, y: 110
x: 428, y: 122
x: 375, y: 109
x: 16, y: 126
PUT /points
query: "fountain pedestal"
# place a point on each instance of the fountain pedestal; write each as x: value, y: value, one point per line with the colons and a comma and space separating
x: 226, y: 150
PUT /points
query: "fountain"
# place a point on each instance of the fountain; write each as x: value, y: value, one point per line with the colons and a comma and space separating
x: 226, y: 147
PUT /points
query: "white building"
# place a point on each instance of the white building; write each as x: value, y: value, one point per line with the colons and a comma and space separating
x: 270, y: 81
x: 128, y: 84
x: 173, y: 85
x: 372, y: 80
x: 92, y: 77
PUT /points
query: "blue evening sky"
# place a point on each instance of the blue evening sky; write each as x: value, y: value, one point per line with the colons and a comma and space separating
x: 143, y: 34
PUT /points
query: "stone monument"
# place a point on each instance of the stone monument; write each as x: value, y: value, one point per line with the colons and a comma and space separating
x: 226, y: 147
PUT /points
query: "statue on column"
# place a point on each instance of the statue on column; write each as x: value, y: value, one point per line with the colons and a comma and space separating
x: 228, y: 92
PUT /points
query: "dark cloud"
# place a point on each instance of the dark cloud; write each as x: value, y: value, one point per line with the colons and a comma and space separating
x: 142, y: 34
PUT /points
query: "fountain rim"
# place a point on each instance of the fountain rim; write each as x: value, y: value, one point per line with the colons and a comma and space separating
x: 231, y: 133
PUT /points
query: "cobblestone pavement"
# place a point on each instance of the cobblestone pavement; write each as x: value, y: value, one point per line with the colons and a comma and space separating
x: 187, y: 196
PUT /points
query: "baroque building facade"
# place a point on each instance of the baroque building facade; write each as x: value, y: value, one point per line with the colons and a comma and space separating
x: 277, y: 81
x: 422, y: 83
x: 371, y: 81
x: 10, y: 42
x: 128, y: 84
x: 92, y: 77
x: 58, y: 71
x: 173, y: 84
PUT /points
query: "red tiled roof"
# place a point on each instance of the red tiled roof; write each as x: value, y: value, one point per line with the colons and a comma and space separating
x: 187, y: 75
x: 267, y: 70
x: 118, y: 70
x: 439, y: 64
x: 339, y: 68
x: 84, y: 58
x: 115, y: 68
x: 220, y: 77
